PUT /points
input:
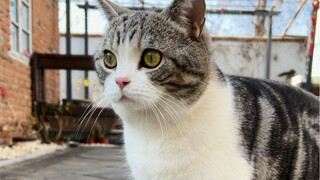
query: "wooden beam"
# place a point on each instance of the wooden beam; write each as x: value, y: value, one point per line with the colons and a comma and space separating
x: 259, y: 29
x: 35, y: 79
x: 294, y: 17
x: 69, y: 62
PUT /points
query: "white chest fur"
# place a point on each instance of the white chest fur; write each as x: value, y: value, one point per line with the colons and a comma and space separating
x: 205, y: 146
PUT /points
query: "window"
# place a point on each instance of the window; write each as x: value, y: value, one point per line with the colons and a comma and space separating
x: 20, y: 11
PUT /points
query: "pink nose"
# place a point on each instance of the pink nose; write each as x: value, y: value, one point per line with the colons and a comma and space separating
x: 122, y: 81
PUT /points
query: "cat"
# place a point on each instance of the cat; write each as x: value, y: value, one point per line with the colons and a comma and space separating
x: 184, y: 118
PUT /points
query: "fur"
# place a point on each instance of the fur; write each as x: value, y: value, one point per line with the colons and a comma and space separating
x: 185, y: 119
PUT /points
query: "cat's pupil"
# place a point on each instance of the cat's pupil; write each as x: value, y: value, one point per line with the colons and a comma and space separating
x: 150, y: 57
x: 110, y: 60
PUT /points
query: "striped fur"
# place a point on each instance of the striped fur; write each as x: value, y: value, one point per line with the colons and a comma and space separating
x: 185, y: 119
x: 280, y: 128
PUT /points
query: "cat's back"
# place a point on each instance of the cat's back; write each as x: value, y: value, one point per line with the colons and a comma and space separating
x: 279, y: 126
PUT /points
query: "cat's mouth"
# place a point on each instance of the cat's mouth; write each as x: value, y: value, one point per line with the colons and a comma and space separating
x: 125, y: 98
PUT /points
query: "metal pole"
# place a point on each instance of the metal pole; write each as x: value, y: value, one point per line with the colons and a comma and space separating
x: 268, y: 53
x: 312, y: 41
x: 309, y: 83
x: 86, y: 7
x: 68, y: 49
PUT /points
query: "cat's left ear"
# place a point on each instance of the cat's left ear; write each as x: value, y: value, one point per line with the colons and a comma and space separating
x: 188, y: 13
x: 112, y: 10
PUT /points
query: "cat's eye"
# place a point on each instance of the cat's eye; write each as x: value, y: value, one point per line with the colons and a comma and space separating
x: 151, y: 58
x: 109, y: 59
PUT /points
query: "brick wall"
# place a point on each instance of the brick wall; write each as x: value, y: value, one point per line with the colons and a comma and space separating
x: 15, y: 76
x: 46, y: 40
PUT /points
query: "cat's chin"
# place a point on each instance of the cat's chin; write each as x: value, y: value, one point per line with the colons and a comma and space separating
x: 125, y: 99
x: 127, y: 104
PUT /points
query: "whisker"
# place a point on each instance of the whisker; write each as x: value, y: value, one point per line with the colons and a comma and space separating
x: 83, y: 119
x: 87, y: 106
x: 95, y: 121
x: 163, y: 117
x: 91, y: 114
x: 156, y: 114
x: 176, y: 117
x: 145, y: 110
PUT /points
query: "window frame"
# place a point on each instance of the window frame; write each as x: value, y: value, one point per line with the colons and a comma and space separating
x: 19, y: 53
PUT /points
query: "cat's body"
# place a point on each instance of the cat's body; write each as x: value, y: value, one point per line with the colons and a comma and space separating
x: 184, y: 119
x: 279, y: 128
x: 251, y: 131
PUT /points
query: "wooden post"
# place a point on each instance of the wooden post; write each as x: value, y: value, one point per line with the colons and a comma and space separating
x: 260, y: 19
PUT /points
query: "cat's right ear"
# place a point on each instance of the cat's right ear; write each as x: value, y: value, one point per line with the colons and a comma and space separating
x: 112, y: 10
x: 190, y: 14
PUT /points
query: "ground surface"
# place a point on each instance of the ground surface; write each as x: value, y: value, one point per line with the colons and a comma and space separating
x: 80, y: 163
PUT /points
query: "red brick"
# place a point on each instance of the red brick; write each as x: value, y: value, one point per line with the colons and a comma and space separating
x: 15, y: 76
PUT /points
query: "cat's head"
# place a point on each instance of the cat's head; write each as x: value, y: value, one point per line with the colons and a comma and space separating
x: 154, y: 58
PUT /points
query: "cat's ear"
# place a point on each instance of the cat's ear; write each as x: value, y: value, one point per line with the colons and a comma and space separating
x: 188, y: 13
x: 112, y: 10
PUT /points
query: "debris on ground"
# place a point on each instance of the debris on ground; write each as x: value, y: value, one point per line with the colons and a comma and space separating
x: 24, y: 148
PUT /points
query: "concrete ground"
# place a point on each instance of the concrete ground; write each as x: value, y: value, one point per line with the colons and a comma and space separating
x: 80, y: 163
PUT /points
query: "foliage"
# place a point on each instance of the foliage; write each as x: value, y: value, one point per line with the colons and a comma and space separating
x: 58, y: 109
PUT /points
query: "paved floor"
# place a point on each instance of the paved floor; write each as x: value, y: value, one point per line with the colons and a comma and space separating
x: 81, y: 163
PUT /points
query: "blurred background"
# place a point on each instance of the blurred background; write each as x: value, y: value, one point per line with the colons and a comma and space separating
x: 47, y: 77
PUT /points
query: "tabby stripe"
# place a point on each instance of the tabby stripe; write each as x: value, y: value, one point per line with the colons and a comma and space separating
x: 277, y: 144
x: 111, y: 37
x: 187, y: 92
x: 252, y: 117
x: 164, y: 78
x: 124, y: 19
x: 288, y: 127
x: 221, y: 76
x: 118, y: 38
x: 124, y: 32
x: 186, y: 69
x: 313, y: 158
x: 307, y: 150
x: 178, y: 86
x: 299, y: 164
x: 132, y: 34
x: 263, y: 137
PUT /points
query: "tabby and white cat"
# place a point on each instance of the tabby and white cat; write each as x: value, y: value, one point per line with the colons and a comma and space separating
x: 184, y: 118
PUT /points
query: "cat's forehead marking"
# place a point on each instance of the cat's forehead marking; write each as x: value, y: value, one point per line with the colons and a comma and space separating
x: 127, y: 51
x: 123, y: 28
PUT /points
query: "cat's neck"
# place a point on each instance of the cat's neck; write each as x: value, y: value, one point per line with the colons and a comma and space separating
x: 210, y: 132
x: 211, y: 108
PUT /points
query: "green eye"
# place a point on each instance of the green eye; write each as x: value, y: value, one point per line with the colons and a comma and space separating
x: 151, y: 59
x: 110, y: 60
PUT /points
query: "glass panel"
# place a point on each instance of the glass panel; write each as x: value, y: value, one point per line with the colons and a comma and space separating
x: 14, y: 10
x: 25, y: 16
x: 25, y: 41
x: 14, y: 37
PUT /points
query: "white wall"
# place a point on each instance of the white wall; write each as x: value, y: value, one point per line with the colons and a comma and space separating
x: 246, y: 56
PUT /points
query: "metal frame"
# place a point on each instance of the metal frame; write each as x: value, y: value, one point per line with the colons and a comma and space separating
x: 86, y: 7
x: 21, y: 29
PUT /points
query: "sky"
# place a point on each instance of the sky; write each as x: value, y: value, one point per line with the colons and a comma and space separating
x: 218, y: 25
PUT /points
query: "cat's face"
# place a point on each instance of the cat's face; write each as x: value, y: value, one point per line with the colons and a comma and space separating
x: 147, y: 59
